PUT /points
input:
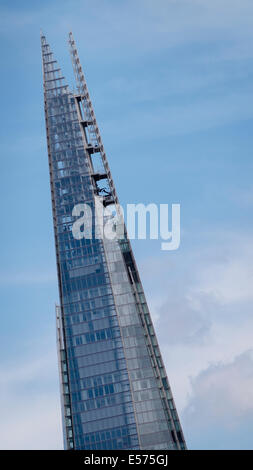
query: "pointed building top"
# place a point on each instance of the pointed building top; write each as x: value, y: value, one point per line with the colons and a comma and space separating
x: 54, y: 82
x: 77, y: 68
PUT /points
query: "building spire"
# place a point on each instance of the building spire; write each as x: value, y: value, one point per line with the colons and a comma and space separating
x: 52, y: 74
x: 93, y: 132
x: 77, y: 68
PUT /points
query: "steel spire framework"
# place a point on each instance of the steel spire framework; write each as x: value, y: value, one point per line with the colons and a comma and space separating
x: 114, y: 389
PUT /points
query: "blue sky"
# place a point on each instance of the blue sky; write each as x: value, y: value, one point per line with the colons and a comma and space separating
x: 171, y: 83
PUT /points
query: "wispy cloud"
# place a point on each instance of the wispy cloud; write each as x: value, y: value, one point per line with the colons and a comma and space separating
x: 145, y: 24
x: 33, y: 424
x: 229, y: 281
x: 28, y: 369
x: 196, y: 116
x: 223, y: 392
x: 32, y: 277
x: 30, y: 410
x: 222, y: 400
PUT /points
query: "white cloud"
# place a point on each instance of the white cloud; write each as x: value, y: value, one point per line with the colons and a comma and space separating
x: 30, y: 403
x: 31, y: 424
x: 222, y: 395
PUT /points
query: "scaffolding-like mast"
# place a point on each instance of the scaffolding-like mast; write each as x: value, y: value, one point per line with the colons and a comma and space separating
x: 89, y: 122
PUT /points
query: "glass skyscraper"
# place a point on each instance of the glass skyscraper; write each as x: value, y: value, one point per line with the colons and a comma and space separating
x: 114, y: 389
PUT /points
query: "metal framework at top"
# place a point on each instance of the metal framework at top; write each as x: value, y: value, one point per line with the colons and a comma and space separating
x: 91, y: 130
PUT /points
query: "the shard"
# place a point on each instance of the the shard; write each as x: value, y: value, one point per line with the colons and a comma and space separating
x: 115, y: 392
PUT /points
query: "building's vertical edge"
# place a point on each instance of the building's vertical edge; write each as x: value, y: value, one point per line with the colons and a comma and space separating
x: 153, y: 348
x: 61, y: 349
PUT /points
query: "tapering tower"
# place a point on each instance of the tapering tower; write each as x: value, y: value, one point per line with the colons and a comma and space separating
x: 114, y: 389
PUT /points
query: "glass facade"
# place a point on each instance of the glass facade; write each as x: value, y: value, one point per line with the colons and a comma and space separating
x: 114, y: 388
